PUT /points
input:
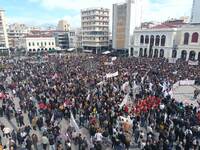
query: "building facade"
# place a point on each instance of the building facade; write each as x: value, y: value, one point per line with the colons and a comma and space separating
x: 16, y: 31
x: 169, y: 41
x: 38, y: 43
x: 72, y: 39
x: 78, y: 38
x: 189, y: 43
x: 4, y: 45
x: 195, y: 16
x: 61, y: 39
x: 121, y: 25
x: 63, y: 25
x: 95, y: 29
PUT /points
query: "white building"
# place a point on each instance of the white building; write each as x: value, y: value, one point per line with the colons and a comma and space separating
x: 72, y: 39
x: 38, y: 43
x: 189, y: 43
x: 17, y: 31
x: 169, y: 41
x: 63, y: 25
x: 3, y: 32
x: 195, y: 16
x: 95, y: 29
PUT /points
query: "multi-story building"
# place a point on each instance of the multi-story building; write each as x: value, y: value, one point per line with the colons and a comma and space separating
x: 153, y: 42
x: 95, y: 29
x: 188, y: 47
x: 195, y: 16
x: 61, y: 39
x: 79, y: 38
x: 167, y: 40
x: 126, y: 16
x: 121, y: 25
x: 63, y: 25
x: 34, y: 43
x: 72, y: 39
x: 4, y: 45
x: 16, y: 31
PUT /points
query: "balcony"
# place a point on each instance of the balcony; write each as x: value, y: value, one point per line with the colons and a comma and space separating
x: 95, y: 14
x: 99, y: 25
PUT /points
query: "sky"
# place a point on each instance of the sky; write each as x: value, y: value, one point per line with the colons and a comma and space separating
x: 39, y: 12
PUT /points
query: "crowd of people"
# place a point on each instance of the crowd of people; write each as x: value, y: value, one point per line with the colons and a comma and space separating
x: 134, y: 109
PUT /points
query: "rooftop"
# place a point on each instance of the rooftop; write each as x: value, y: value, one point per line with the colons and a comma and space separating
x: 39, y: 36
x: 95, y: 8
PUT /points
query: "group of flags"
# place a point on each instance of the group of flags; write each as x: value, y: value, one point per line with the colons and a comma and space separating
x: 149, y: 103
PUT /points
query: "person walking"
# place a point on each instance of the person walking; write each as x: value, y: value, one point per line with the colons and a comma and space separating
x: 35, y: 141
x: 45, y: 142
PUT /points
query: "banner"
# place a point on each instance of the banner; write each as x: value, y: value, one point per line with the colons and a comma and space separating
x: 106, y: 52
x: 126, y: 87
x: 100, y: 83
x: 193, y: 63
x: 108, y: 63
x: 73, y: 123
x: 172, y: 60
x: 187, y: 82
x: 125, y: 100
x: 114, y: 58
x: 110, y: 75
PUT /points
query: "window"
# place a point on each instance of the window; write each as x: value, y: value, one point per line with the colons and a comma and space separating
x: 38, y: 44
x: 132, y: 51
x: 192, y: 55
x: 162, y: 53
x: 199, y: 56
x: 186, y: 38
x: 195, y: 37
x: 152, y: 40
x: 145, y: 52
x: 184, y: 55
x: 156, y: 53
x: 146, y: 39
x: 174, y: 54
x: 33, y: 44
x: 157, y: 40
x: 141, y: 52
x: 41, y: 44
x: 163, y: 40
x: 52, y: 43
x: 49, y: 43
x: 45, y: 43
x: 141, y: 39
x: 29, y: 43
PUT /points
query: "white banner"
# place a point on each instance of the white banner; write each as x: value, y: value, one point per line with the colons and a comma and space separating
x: 106, y: 52
x: 100, y: 83
x: 73, y: 123
x: 193, y: 63
x: 108, y: 63
x: 114, y: 58
x: 187, y: 82
x: 110, y: 75
x: 126, y: 87
x: 172, y: 60
x: 125, y: 100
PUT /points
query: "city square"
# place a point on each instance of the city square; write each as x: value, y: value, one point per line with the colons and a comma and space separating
x: 132, y: 86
